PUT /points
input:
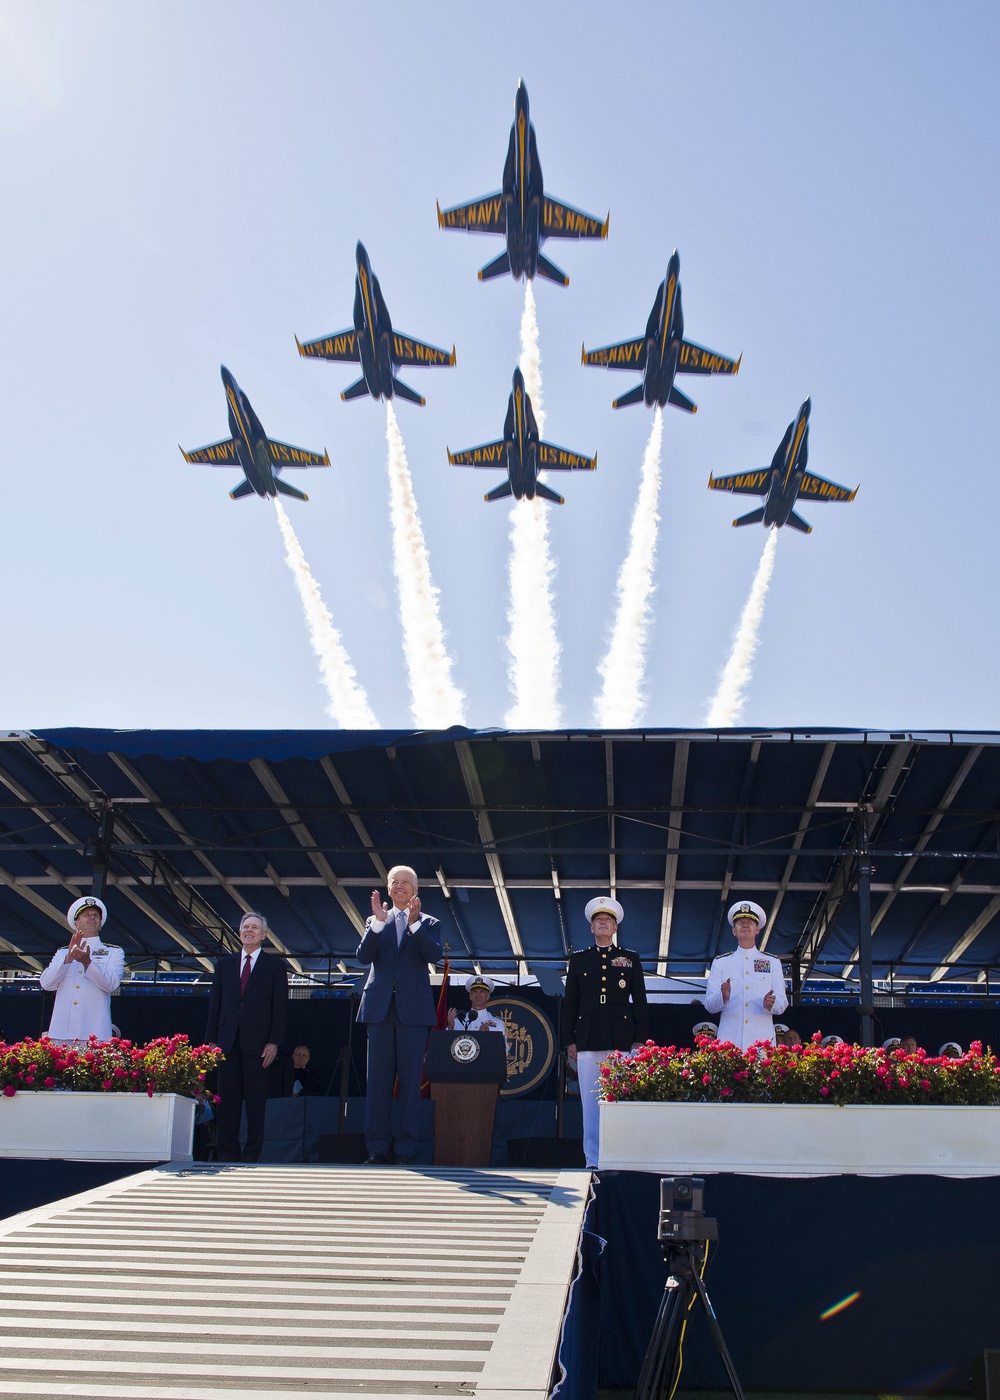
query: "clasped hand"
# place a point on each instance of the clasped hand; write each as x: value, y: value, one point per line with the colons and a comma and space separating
x: 382, y: 911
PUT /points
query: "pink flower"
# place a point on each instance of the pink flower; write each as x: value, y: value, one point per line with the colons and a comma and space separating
x: 105, y: 1083
x: 925, y: 1083
x: 726, y: 1092
x: 824, y: 1092
x: 49, y: 1083
x: 119, y: 1073
x: 706, y: 1079
x: 9, y: 1091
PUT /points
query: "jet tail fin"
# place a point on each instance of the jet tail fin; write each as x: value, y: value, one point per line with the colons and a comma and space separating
x: 633, y: 396
x: 244, y: 489
x: 549, y: 270
x: 404, y: 391
x: 497, y: 268
x: 498, y: 492
x: 680, y: 400
x: 284, y: 489
x: 356, y: 391
x: 753, y: 518
x: 547, y: 493
x: 797, y: 523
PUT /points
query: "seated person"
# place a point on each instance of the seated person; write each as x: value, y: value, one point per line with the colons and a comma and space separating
x: 784, y: 1035
x: 477, y: 1018
x: 951, y: 1050
x: 829, y: 1040
x: 706, y: 1028
x: 300, y: 1078
x: 892, y: 1043
x: 908, y: 1044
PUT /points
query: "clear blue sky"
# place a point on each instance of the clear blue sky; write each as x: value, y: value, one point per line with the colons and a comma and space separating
x: 183, y: 185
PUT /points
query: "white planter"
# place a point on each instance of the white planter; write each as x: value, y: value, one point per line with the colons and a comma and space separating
x: 800, y: 1139
x: 85, y: 1127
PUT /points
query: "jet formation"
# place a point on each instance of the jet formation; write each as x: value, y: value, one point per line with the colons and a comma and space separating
x: 662, y: 352
x: 250, y: 448
x: 522, y: 452
x: 785, y: 481
x: 374, y: 344
x: 525, y: 216
x: 521, y: 211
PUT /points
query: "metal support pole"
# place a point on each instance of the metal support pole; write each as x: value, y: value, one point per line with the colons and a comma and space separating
x: 100, y: 852
x: 866, y: 989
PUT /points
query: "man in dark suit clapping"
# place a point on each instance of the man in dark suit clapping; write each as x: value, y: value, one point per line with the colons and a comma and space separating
x: 246, y: 1019
x: 398, y: 1008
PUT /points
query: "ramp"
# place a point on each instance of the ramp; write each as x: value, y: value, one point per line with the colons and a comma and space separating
x: 232, y: 1282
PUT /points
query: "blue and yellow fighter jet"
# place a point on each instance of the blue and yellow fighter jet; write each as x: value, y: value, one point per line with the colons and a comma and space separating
x: 662, y: 352
x: 522, y: 453
x: 261, y: 457
x: 522, y: 211
x: 374, y: 344
x: 785, y: 481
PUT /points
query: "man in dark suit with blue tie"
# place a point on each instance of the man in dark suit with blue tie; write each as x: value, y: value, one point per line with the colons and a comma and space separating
x: 246, y: 1019
x: 397, y: 1006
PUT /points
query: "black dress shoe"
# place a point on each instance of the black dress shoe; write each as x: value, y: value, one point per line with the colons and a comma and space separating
x: 404, y: 1161
x: 377, y: 1159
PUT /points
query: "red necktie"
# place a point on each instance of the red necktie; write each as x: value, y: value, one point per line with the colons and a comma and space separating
x: 245, y: 974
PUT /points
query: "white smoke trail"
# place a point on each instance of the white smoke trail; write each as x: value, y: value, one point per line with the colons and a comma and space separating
x: 623, y: 670
x: 347, y: 702
x: 435, y: 701
x: 532, y: 643
x: 727, y: 706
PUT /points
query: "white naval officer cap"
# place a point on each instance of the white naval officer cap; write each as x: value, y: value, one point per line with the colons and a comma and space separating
x: 89, y: 901
x: 746, y: 909
x: 471, y: 983
x: 950, y: 1050
x: 604, y: 904
x: 705, y: 1028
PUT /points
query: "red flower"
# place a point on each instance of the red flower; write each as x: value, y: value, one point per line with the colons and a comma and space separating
x: 726, y: 1092
x: 49, y: 1083
x: 9, y: 1091
x: 119, y: 1073
x: 825, y: 1092
x: 706, y: 1079
x: 105, y: 1083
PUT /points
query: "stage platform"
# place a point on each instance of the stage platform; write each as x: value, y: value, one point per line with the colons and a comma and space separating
x: 244, y: 1282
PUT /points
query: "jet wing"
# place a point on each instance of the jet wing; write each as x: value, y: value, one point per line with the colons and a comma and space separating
x: 743, y: 483
x: 217, y: 454
x: 283, y: 454
x: 486, y: 215
x: 814, y: 488
x: 560, y: 459
x: 407, y: 351
x: 490, y: 454
x: 628, y: 354
x: 563, y: 221
x: 695, y: 359
x: 342, y: 345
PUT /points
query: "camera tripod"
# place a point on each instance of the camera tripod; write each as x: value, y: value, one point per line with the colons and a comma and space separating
x: 660, y: 1374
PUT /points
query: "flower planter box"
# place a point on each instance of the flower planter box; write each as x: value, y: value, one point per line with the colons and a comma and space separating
x: 98, y: 1127
x: 800, y: 1139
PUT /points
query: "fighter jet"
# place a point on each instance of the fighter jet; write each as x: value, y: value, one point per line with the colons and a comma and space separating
x: 374, y: 344
x: 662, y: 351
x: 522, y: 452
x: 522, y: 211
x: 785, y: 481
x: 261, y: 457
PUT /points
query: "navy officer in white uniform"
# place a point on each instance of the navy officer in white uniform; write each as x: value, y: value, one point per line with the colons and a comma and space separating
x: 84, y: 975
x: 477, y: 1018
x: 746, y: 986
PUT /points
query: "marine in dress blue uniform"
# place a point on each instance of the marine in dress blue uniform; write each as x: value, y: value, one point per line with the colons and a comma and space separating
x: 605, y: 1010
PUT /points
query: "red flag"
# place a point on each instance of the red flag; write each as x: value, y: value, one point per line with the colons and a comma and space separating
x: 440, y: 1024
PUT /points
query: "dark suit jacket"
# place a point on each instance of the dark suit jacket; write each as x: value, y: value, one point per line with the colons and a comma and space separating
x: 621, y: 1019
x: 401, y: 971
x: 259, y: 1016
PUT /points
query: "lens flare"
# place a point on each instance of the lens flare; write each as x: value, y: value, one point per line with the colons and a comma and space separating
x: 839, y: 1307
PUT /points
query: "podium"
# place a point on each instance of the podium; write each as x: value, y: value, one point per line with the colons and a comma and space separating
x: 466, y: 1070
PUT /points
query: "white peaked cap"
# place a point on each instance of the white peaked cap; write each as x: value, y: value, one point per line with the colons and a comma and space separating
x: 746, y: 909
x: 604, y: 904
x: 89, y: 901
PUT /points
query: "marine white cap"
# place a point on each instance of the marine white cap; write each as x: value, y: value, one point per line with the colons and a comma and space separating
x: 604, y: 904
x: 89, y: 901
x: 746, y: 909
x: 478, y: 981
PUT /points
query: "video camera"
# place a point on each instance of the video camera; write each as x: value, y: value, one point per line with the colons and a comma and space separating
x: 682, y: 1211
